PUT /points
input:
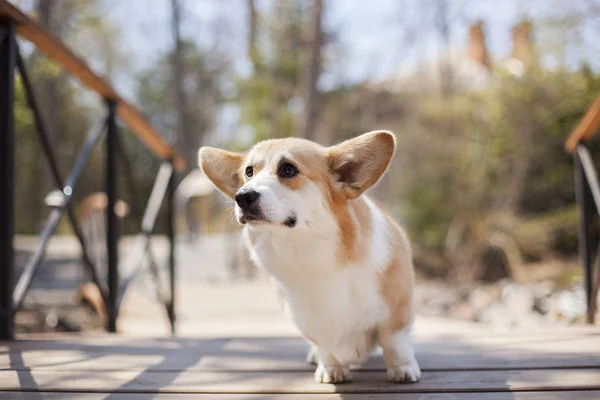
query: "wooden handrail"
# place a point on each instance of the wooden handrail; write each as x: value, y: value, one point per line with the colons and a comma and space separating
x: 587, y: 127
x: 63, y: 56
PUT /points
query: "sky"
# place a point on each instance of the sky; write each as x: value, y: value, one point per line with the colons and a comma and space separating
x: 372, y: 39
x: 371, y: 34
x: 375, y: 39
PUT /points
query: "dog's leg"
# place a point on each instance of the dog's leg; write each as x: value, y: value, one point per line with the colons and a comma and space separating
x: 399, y: 356
x: 329, y: 370
x: 313, y: 355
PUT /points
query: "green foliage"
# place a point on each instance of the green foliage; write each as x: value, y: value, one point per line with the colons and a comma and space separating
x: 202, y: 77
x: 265, y: 98
x: 492, y: 154
x: 72, y: 121
x: 471, y: 164
x: 68, y: 115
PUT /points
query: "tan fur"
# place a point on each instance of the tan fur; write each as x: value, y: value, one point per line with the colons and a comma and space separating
x: 306, y: 156
x: 362, y: 214
x: 357, y: 164
x: 314, y: 164
x: 371, y: 153
x: 222, y: 168
x: 338, y: 262
x: 295, y: 183
x: 396, y: 282
x: 354, y: 221
x: 360, y: 162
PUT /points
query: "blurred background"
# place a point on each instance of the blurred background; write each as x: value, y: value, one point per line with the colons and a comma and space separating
x: 481, y: 94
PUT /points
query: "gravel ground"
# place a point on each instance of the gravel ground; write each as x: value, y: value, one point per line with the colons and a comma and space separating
x: 53, y: 303
x: 504, y: 305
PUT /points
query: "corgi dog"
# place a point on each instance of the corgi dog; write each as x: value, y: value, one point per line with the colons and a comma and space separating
x: 344, y: 266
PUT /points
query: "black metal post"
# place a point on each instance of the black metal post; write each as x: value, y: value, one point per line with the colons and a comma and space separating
x: 53, y: 219
x: 112, y: 222
x: 55, y: 172
x: 171, y: 235
x: 7, y: 147
x: 585, y: 203
x: 141, y: 247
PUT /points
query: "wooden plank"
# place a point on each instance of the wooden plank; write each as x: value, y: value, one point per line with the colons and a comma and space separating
x: 53, y: 47
x: 277, y: 354
x: 586, y: 128
x: 572, y: 395
x: 294, y: 382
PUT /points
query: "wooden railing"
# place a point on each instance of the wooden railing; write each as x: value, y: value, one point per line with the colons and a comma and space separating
x: 587, y: 192
x: 13, y: 23
x: 586, y: 128
x: 50, y: 45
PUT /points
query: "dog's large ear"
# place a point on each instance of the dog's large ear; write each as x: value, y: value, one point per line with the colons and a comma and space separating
x: 222, y: 168
x: 357, y: 164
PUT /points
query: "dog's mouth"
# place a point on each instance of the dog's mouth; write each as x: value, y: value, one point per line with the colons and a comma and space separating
x: 290, y: 221
x: 253, y: 218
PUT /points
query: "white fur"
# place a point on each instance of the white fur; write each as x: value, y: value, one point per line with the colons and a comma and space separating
x: 337, y: 307
x: 272, y: 202
x: 379, y: 254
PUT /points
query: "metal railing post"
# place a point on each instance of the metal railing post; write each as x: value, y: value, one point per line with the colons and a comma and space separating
x: 55, y: 173
x: 33, y: 263
x: 7, y: 148
x: 112, y: 223
x: 171, y: 236
x: 585, y: 203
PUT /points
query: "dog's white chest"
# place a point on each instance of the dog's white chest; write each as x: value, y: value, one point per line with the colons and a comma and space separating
x: 335, y: 306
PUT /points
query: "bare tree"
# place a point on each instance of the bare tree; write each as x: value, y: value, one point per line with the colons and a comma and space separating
x: 183, y: 139
x: 46, y: 9
x: 312, y: 71
x: 252, y: 35
x: 47, y: 86
x: 442, y: 25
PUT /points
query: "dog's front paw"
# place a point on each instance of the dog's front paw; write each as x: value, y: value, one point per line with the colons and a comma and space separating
x: 332, y: 374
x: 404, y: 373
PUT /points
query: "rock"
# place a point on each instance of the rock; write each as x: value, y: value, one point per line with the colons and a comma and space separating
x: 504, y: 305
x: 481, y: 297
x: 443, y: 300
x: 571, y: 303
x: 496, y: 317
x: 464, y: 311
x: 541, y: 305
x: 532, y: 320
x: 543, y: 289
x: 518, y: 300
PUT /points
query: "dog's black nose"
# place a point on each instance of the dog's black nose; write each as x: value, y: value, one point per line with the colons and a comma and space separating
x: 246, y: 198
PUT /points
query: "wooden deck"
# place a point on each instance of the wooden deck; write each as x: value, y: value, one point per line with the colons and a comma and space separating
x: 261, y: 358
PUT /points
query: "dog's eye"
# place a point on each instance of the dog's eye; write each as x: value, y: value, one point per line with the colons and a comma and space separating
x: 249, y: 171
x: 287, y: 170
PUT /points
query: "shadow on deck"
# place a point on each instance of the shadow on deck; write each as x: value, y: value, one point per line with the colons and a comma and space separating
x: 265, y: 359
